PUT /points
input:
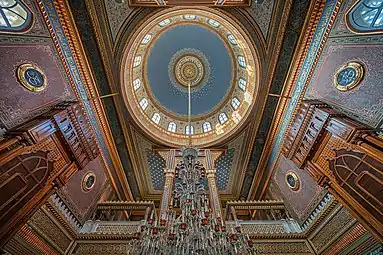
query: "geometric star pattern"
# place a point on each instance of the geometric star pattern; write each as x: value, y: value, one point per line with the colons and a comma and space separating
x: 156, y: 167
x: 223, y: 165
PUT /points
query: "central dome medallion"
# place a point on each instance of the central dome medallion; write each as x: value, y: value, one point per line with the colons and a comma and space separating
x: 197, y: 46
x: 189, y: 66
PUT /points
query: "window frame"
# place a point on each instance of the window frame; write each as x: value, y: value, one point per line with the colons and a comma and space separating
x: 232, y: 39
x: 241, y: 61
x: 164, y: 23
x: 187, y: 130
x: 156, y: 118
x: 25, y: 26
x: 354, y: 26
x: 144, y: 103
x: 146, y: 39
x: 172, y: 127
x: 235, y: 103
x: 136, y: 84
x: 222, y: 119
x: 242, y: 83
x: 137, y: 61
x: 213, y: 23
x: 206, y: 127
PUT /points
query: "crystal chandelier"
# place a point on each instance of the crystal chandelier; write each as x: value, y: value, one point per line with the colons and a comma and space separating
x: 193, y: 229
x: 189, y: 226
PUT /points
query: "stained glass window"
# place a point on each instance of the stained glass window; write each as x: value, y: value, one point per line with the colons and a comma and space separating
x: 156, y: 118
x: 137, y: 61
x: 232, y: 39
x: 367, y: 15
x: 242, y: 84
x: 172, y: 127
x: 222, y: 117
x: 242, y: 61
x: 214, y: 23
x: 136, y: 84
x: 189, y: 130
x: 146, y: 39
x: 206, y: 127
x: 164, y: 22
x: 235, y: 103
x: 14, y: 16
x: 144, y: 103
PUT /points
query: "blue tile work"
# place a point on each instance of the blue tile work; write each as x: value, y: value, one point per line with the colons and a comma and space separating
x: 303, y: 76
x: 156, y: 168
x: 223, y: 165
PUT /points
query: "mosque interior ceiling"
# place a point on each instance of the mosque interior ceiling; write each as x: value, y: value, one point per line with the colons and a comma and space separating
x: 282, y: 98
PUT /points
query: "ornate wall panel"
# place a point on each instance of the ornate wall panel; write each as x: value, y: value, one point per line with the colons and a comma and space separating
x: 360, y: 176
x: 55, y: 154
x: 336, y: 224
x: 101, y: 248
x: 23, y: 179
x: 285, y: 248
x: 18, y: 104
x: 81, y: 203
x: 261, y: 12
x: 50, y: 231
x: 306, y: 197
x: 364, y: 102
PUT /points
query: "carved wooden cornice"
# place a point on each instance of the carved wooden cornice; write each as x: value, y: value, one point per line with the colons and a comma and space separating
x: 125, y: 205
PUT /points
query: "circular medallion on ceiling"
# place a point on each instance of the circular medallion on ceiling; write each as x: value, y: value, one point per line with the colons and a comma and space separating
x: 200, y: 47
x: 189, y: 66
x: 31, y: 77
x: 292, y: 180
x: 349, y: 76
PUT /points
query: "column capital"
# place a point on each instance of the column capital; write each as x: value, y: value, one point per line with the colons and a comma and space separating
x: 169, y: 171
x: 210, y: 173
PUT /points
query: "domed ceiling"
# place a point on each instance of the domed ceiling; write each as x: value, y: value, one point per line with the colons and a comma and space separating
x: 186, y: 46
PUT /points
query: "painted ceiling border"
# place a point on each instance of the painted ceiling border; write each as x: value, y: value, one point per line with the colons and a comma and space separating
x: 321, y: 33
x: 320, y: 36
x: 63, y: 46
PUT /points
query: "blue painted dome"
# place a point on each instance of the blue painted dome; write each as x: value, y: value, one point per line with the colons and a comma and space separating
x: 197, y: 48
x: 204, y: 55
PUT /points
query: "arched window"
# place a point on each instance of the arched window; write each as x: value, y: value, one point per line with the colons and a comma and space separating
x: 235, y: 103
x: 144, y: 103
x: 242, y: 84
x: 232, y: 39
x: 189, y: 16
x: 156, y: 118
x: 172, y: 127
x: 14, y: 15
x: 136, y: 84
x: 164, y: 22
x: 222, y: 117
x: 242, y: 61
x: 366, y: 16
x: 189, y: 130
x: 206, y: 127
x: 137, y: 61
x: 214, y: 23
x: 146, y: 39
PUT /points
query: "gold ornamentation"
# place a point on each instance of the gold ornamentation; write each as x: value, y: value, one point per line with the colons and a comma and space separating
x: 31, y: 77
x: 349, y: 76
x: 88, y: 181
x: 292, y: 180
